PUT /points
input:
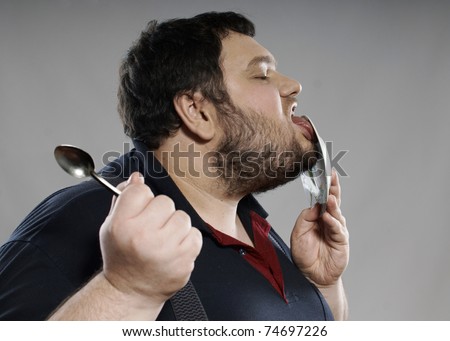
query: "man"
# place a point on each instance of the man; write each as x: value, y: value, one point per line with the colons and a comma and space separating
x: 212, y: 122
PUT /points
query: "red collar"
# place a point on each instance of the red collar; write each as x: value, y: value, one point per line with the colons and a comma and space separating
x: 263, y: 256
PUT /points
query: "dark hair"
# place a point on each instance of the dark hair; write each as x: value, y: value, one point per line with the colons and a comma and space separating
x: 171, y: 58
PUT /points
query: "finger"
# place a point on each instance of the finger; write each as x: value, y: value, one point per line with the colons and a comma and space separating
x: 190, y: 248
x: 311, y: 214
x: 133, y: 199
x: 335, y: 187
x: 136, y: 177
x: 158, y: 212
x: 335, y: 230
x: 306, y: 220
x: 178, y: 234
x: 334, y: 210
x: 176, y: 228
x: 192, y: 243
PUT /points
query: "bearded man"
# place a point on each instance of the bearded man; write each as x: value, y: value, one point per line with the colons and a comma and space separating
x: 212, y: 121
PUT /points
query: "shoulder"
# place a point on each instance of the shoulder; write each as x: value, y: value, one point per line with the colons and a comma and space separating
x: 52, y: 252
x: 64, y: 227
x: 71, y: 204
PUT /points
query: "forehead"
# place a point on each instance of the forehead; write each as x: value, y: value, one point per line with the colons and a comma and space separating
x: 239, y: 52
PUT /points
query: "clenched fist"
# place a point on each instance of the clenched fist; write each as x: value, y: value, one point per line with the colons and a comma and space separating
x: 148, y: 247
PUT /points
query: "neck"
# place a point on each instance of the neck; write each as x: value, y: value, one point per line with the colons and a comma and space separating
x: 207, y: 195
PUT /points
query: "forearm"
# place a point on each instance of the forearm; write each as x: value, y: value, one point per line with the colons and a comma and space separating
x: 336, y: 299
x: 100, y: 300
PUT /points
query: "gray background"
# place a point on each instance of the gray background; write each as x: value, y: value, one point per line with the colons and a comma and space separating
x: 376, y: 82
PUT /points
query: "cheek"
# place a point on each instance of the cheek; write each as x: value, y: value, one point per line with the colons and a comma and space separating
x: 264, y: 100
x: 261, y: 98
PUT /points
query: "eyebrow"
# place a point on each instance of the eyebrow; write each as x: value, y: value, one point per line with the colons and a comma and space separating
x: 261, y: 59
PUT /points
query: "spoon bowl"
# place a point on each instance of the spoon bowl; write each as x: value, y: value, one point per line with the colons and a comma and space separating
x: 79, y: 164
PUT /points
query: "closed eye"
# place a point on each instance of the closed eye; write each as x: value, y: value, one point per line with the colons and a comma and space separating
x: 264, y: 77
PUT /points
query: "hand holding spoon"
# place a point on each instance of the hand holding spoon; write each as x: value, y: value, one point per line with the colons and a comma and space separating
x: 80, y: 164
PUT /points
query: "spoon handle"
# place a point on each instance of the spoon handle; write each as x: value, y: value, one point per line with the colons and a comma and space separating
x: 106, y: 183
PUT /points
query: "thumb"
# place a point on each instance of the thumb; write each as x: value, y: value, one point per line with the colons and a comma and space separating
x: 135, y: 178
x: 305, y: 221
x: 310, y: 214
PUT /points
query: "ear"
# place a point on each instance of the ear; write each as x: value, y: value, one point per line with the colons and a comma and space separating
x: 197, y: 114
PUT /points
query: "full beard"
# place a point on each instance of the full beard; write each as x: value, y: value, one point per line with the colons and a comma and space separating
x: 257, y: 154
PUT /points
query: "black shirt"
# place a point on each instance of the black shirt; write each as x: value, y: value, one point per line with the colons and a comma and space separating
x: 55, y: 251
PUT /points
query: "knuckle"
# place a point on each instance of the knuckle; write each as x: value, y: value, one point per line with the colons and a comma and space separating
x: 115, y: 227
x: 138, y: 190
x: 196, y: 239
x: 196, y: 233
x: 164, y: 202
x: 191, y: 245
x: 180, y: 223
x: 134, y: 244
x: 182, y: 217
x: 122, y: 185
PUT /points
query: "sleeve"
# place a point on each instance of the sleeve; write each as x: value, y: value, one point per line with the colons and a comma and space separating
x: 31, y: 285
x: 52, y: 253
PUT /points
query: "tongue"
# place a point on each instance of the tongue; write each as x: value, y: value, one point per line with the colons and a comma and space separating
x: 306, y: 127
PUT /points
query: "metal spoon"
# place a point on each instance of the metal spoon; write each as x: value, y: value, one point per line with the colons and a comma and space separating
x: 79, y: 164
x: 317, y: 181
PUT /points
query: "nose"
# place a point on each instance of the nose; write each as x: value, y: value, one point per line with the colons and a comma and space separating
x: 289, y: 87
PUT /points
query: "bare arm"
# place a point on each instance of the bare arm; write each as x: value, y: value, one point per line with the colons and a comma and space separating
x: 336, y: 299
x: 148, y: 251
x: 100, y: 300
